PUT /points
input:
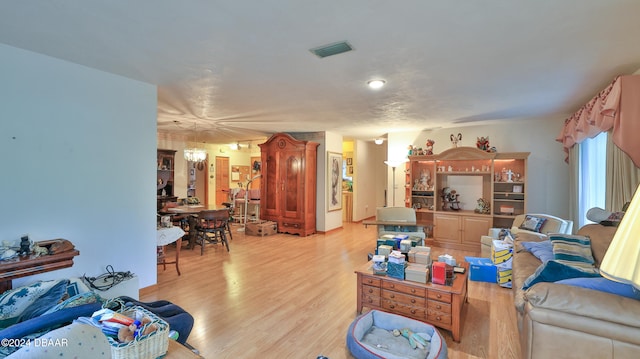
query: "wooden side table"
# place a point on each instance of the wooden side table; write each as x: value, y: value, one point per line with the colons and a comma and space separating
x: 30, y: 265
x: 439, y: 305
x: 167, y: 236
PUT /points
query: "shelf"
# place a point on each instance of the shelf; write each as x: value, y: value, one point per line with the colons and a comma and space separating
x: 467, y: 173
x: 508, y: 200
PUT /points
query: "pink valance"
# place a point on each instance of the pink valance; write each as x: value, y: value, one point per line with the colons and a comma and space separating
x: 617, y: 107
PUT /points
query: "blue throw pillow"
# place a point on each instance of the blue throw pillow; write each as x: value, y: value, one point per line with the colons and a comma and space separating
x: 604, y: 285
x: 553, y: 271
x: 542, y: 250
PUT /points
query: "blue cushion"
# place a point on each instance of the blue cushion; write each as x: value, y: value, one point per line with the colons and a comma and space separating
x: 604, y: 285
x: 553, y: 271
x: 45, y: 301
x: 542, y: 250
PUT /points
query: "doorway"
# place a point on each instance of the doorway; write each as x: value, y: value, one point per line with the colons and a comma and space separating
x: 222, y: 180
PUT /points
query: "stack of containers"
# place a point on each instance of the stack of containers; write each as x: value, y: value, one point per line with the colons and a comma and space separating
x: 419, y: 262
x: 502, y: 257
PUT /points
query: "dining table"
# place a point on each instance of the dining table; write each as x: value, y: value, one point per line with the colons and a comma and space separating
x: 191, y: 211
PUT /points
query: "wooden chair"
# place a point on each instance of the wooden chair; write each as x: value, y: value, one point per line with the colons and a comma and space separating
x: 211, y: 227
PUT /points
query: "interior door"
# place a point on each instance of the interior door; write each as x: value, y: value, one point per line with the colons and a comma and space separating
x: 222, y: 180
x: 202, y: 183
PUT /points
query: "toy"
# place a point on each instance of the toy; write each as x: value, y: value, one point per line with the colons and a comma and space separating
x: 483, y: 207
x: 138, y: 328
x: 455, y: 140
x: 415, y: 340
x: 483, y: 144
x: 25, y: 246
x: 410, y: 150
x: 429, y: 148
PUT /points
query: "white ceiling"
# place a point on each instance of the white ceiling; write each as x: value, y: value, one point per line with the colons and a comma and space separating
x: 242, y: 69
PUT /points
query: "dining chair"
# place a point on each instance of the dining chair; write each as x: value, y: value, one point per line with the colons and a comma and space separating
x: 211, y: 227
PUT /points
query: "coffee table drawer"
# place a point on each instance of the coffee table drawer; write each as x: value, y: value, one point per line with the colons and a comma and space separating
x: 438, y: 307
x: 444, y: 319
x: 403, y: 288
x: 396, y: 307
x: 371, y: 281
x: 411, y: 300
x: 439, y: 296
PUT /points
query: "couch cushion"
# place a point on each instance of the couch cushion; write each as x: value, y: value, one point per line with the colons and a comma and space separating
x: 29, y: 301
x: 553, y: 271
x: 542, y: 250
x: 573, y: 250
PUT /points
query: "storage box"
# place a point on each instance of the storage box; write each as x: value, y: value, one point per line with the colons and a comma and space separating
x: 405, y: 245
x: 416, y: 273
x: 481, y: 269
x: 261, y: 228
x: 441, y: 273
x: 396, y: 257
x: 384, y: 250
x: 501, y: 251
x: 421, y: 255
x: 396, y: 270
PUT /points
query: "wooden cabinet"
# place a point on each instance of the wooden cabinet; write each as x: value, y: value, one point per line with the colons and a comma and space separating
x: 496, y: 178
x: 166, y: 160
x: 288, y: 185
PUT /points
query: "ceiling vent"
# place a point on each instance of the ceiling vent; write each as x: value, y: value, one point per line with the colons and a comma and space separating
x: 332, y: 49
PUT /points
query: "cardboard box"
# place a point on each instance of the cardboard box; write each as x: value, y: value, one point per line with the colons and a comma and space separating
x: 261, y: 228
x: 421, y: 255
x: 384, y: 250
x: 481, y: 269
x: 501, y: 251
x: 416, y: 273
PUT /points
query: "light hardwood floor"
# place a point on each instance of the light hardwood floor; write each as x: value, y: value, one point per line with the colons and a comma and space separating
x: 285, y: 296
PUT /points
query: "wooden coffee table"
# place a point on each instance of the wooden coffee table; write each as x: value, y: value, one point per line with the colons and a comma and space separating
x: 439, y: 305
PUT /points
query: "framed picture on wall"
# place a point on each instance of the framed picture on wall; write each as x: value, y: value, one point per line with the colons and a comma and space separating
x: 349, y: 161
x: 334, y: 181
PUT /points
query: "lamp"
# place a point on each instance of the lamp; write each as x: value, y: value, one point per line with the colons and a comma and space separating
x: 378, y: 141
x: 376, y: 84
x: 621, y: 263
x: 195, y: 154
x: 393, y: 165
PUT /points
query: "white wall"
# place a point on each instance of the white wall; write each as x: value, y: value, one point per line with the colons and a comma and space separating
x: 79, y: 154
x: 326, y: 221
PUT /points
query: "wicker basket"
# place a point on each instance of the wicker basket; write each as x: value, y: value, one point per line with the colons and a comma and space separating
x: 150, y: 346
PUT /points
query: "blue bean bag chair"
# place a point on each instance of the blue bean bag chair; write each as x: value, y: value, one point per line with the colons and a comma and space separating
x: 370, y: 336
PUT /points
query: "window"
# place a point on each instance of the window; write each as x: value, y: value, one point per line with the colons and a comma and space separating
x: 592, y: 176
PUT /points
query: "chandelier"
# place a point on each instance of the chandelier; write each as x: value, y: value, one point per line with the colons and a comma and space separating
x: 195, y: 154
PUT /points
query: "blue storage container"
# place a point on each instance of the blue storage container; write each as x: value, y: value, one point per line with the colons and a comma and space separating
x: 482, y: 269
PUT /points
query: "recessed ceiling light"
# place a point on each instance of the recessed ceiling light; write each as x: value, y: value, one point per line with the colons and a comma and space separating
x: 378, y: 141
x: 376, y: 84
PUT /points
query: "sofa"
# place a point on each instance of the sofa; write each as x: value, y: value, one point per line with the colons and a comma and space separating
x: 552, y: 224
x: 402, y: 215
x: 564, y: 321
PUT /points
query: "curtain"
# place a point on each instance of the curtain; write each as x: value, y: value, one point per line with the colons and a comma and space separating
x: 616, y: 107
x: 574, y: 175
x: 623, y: 177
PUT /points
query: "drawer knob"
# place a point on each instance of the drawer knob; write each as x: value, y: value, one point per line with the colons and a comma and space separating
x: 413, y: 290
x: 413, y: 311
x: 370, y: 300
x: 438, y: 307
x: 413, y: 300
x: 391, y: 286
x: 438, y: 295
x: 392, y: 296
x: 438, y: 318
x: 392, y: 306
x: 370, y: 290
x: 369, y: 281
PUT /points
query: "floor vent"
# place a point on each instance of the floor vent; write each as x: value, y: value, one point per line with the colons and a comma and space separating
x: 332, y: 49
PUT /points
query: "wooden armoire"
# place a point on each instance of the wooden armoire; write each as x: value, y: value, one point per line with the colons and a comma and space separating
x: 288, y: 184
